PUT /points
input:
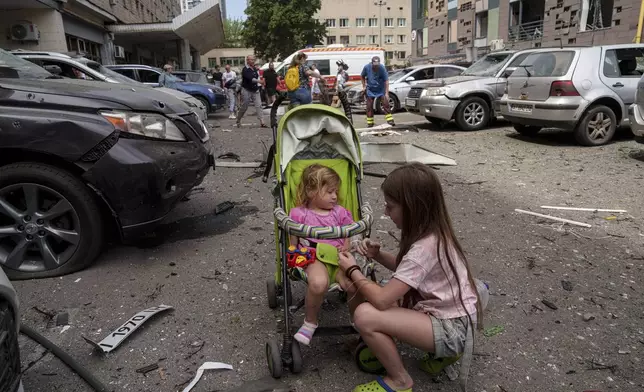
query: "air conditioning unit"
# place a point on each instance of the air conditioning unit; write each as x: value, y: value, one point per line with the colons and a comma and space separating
x: 497, y: 44
x: 24, y: 31
x: 119, y: 52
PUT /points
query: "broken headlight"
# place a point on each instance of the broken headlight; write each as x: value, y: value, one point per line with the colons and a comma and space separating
x: 145, y: 124
x: 436, y: 91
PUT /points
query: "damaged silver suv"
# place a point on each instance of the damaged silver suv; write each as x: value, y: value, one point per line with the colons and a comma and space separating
x: 472, y: 98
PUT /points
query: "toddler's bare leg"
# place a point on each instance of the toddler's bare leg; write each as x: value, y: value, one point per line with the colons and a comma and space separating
x: 318, y: 283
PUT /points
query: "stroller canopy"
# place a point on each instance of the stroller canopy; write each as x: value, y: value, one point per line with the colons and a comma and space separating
x: 318, y: 131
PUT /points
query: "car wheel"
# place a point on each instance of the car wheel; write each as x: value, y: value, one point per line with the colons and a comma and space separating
x: 440, y: 123
x: 472, y: 114
x: 597, y: 126
x: 50, y: 223
x: 393, y: 104
x: 527, y: 130
x: 205, y: 103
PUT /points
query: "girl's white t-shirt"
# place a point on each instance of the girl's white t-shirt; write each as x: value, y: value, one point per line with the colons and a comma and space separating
x: 436, y: 286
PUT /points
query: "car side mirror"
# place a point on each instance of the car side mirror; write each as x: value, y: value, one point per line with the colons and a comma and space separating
x: 410, y: 79
x: 508, y: 72
x: 53, y: 69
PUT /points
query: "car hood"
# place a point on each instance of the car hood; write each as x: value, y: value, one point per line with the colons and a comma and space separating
x: 199, y: 85
x: 452, y: 80
x: 136, y: 98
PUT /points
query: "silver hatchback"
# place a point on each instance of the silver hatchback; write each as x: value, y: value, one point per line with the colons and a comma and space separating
x: 586, y: 90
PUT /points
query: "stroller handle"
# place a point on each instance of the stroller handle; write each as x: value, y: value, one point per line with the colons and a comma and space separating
x: 324, y: 232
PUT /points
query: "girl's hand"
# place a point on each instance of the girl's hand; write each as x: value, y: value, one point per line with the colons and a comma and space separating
x: 369, y: 249
x: 346, y: 260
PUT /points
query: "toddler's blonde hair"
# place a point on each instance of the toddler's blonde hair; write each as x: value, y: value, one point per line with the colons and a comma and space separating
x: 314, y: 179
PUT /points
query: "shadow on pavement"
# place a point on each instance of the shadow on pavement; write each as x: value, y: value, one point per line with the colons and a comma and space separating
x: 193, y: 227
x: 560, y: 138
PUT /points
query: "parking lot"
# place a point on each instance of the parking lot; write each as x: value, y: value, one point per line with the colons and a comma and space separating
x: 212, y: 269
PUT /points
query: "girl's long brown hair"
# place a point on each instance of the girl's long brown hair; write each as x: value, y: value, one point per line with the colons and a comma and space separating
x: 417, y: 190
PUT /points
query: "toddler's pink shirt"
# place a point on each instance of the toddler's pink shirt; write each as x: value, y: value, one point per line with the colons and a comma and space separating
x: 338, y: 216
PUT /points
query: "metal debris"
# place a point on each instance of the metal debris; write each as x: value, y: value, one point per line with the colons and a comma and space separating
x: 402, y: 153
x: 202, y: 368
x: 570, y: 222
x: 147, y: 369
x: 549, y: 304
x: 223, y: 207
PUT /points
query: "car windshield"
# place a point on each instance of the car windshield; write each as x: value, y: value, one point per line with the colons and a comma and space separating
x: 488, y: 65
x: 111, y: 74
x: 397, y: 75
x: 14, y: 67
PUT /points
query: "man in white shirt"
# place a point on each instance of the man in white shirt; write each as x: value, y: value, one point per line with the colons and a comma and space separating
x: 228, y: 82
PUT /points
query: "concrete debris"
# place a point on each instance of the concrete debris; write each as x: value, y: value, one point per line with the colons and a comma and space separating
x: 566, y: 285
x: 147, y: 369
x: 589, y: 317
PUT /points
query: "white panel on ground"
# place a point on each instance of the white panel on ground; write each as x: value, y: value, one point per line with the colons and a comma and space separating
x: 402, y: 153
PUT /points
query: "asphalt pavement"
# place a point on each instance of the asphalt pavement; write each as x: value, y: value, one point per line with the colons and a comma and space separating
x: 212, y: 269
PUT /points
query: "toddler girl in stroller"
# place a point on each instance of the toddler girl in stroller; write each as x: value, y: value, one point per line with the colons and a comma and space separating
x: 317, y: 201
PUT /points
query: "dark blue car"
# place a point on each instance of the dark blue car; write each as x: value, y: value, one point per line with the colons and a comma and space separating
x: 211, y: 96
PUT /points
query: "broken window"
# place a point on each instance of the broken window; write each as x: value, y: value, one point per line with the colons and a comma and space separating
x: 628, y: 62
x: 526, y: 20
x: 596, y: 14
x: 481, y: 24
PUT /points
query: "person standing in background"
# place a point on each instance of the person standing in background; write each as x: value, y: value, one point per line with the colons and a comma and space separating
x: 166, y: 79
x: 315, y: 87
x: 375, y: 84
x: 229, y: 83
x: 216, y: 75
x: 250, y: 91
x: 270, y: 76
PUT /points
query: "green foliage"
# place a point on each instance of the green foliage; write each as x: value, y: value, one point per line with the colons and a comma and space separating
x: 233, y: 29
x: 279, y: 28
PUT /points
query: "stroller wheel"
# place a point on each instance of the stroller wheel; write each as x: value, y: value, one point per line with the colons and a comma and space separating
x: 296, y: 353
x: 366, y: 360
x: 271, y: 293
x: 274, y: 359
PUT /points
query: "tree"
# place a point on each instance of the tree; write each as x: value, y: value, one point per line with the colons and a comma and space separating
x: 233, y: 29
x: 279, y: 28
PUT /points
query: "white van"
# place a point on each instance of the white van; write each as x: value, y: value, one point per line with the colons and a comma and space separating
x: 325, y: 59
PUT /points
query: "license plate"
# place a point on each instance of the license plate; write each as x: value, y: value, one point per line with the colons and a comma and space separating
x: 410, y: 102
x: 521, y: 108
x: 118, y: 336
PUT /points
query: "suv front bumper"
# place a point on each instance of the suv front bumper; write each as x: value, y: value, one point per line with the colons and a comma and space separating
x: 438, y: 106
x: 142, y: 179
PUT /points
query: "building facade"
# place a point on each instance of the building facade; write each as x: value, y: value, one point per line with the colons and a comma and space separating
x: 149, y: 32
x: 188, y: 4
x: 236, y: 57
x: 368, y: 23
x: 467, y: 29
